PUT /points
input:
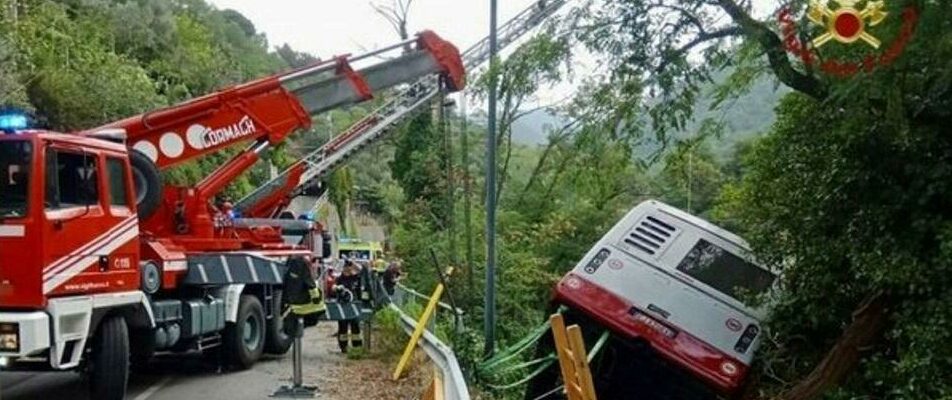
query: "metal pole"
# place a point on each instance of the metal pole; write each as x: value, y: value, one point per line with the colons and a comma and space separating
x: 490, y: 301
x: 467, y: 200
x: 298, y: 378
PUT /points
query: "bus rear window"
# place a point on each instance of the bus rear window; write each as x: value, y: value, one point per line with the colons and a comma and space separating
x: 724, y: 271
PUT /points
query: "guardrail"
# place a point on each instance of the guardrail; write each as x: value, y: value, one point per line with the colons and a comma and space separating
x: 403, y: 291
x: 454, y: 384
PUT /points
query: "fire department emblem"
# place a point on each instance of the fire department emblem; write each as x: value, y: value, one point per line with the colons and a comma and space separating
x: 846, y: 23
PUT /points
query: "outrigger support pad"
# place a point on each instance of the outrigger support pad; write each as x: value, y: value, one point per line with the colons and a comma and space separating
x: 297, y: 390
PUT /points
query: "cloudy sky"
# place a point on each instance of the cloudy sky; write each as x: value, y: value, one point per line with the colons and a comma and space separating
x: 332, y: 27
x: 329, y: 27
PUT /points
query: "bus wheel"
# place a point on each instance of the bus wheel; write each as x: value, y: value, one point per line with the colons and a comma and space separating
x: 109, y: 369
x: 244, y: 339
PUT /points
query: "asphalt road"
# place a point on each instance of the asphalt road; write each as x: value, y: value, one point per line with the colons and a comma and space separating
x: 175, y: 378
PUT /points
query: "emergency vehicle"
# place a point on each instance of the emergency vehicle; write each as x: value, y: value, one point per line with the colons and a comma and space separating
x: 100, y: 262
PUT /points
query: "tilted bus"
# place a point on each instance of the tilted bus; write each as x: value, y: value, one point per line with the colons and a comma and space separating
x: 671, y: 289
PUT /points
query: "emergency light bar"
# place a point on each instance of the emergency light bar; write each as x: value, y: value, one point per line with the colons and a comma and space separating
x: 13, y: 122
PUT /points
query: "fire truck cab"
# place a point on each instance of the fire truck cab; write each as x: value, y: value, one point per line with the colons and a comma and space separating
x: 56, y: 192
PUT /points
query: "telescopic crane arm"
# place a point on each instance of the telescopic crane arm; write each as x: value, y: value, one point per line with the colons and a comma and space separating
x: 271, y: 198
x: 265, y: 112
x: 271, y: 108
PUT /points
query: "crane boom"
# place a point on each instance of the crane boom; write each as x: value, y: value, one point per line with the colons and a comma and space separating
x: 269, y: 199
x: 272, y: 107
x: 263, y: 112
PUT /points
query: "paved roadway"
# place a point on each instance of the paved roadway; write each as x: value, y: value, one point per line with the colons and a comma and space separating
x: 179, y: 377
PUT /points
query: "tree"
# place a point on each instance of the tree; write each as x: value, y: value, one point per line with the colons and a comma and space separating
x: 397, y: 14
x: 846, y: 196
x: 534, y: 64
x: 340, y: 191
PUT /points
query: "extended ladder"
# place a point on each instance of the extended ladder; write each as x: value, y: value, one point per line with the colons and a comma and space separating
x: 270, y: 198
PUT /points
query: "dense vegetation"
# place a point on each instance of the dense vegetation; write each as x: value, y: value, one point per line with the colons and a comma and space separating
x: 846, y: 192
x: 81, y: 63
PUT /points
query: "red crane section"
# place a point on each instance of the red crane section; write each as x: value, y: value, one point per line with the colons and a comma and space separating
x: 263, y: 112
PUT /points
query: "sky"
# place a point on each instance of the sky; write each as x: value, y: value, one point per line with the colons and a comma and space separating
x: 330, y: 27
x: 326, y: 28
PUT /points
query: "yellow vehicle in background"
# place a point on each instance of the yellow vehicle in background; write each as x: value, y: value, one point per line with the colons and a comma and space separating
x: 360, y: 250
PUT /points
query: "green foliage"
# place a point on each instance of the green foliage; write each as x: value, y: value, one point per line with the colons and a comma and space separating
x: 74, y: 79
x: 416, y: 160
x: 855, y: 210
x: 83, y: 63
x: 691, y: 178
x: 847, y: 193
x: 340, y: 191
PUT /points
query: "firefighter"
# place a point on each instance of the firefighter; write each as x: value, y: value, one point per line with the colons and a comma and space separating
x: 302, y: 297
x: 349, y: 288
x: 391, y: 276
x: 380, y: 265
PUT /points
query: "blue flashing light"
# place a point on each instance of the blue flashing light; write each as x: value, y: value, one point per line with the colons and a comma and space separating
x: 13, y: 122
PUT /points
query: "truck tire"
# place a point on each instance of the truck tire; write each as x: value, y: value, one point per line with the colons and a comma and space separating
x: 277, y: 341
x: 148, y: 183
x: 244, y: 339
x: 109, y: 361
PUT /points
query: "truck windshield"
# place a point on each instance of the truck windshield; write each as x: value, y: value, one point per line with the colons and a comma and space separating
x: 15, y: 159
x: 726, y: 272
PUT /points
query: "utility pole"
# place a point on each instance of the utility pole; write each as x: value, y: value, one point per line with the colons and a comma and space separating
x: 467, y: 193
x: 445, y: 108
x: 489, y: 308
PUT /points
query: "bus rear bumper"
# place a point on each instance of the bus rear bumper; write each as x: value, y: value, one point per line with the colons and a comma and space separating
x: 723, y: 373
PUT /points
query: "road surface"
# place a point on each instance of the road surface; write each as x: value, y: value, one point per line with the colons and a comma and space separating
x: 189, y: 377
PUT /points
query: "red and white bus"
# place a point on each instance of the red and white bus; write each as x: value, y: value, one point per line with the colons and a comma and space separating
x: 670, y: 288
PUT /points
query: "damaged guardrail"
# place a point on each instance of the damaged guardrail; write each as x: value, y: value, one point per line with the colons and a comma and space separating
x: 454, y: 384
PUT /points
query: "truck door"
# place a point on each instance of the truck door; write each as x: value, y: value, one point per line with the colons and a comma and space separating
x: 91, y: 237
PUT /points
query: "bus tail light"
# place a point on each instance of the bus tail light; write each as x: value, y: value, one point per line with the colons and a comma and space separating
x: 729, y: 368
x: 746, y: 339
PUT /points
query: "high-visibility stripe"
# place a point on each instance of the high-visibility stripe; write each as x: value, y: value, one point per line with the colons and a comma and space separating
x: 81, y: 265
x: 66, y: 261
x: 94, y: 251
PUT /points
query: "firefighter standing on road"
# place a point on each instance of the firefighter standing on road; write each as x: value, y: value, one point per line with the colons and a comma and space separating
x: 349, y: 288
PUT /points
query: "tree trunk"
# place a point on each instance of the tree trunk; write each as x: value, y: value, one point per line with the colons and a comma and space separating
x: 869, y: 322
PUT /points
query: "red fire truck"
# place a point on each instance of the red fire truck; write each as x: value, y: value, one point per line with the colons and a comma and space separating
x: 671, y: 289
x: 101, y: 263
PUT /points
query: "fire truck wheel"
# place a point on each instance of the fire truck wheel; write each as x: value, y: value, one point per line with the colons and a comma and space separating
x: 244, y: 339
x: 142, y: 349
x: 148, y: 183
x: 276, y: 341
x: 109, y: 362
